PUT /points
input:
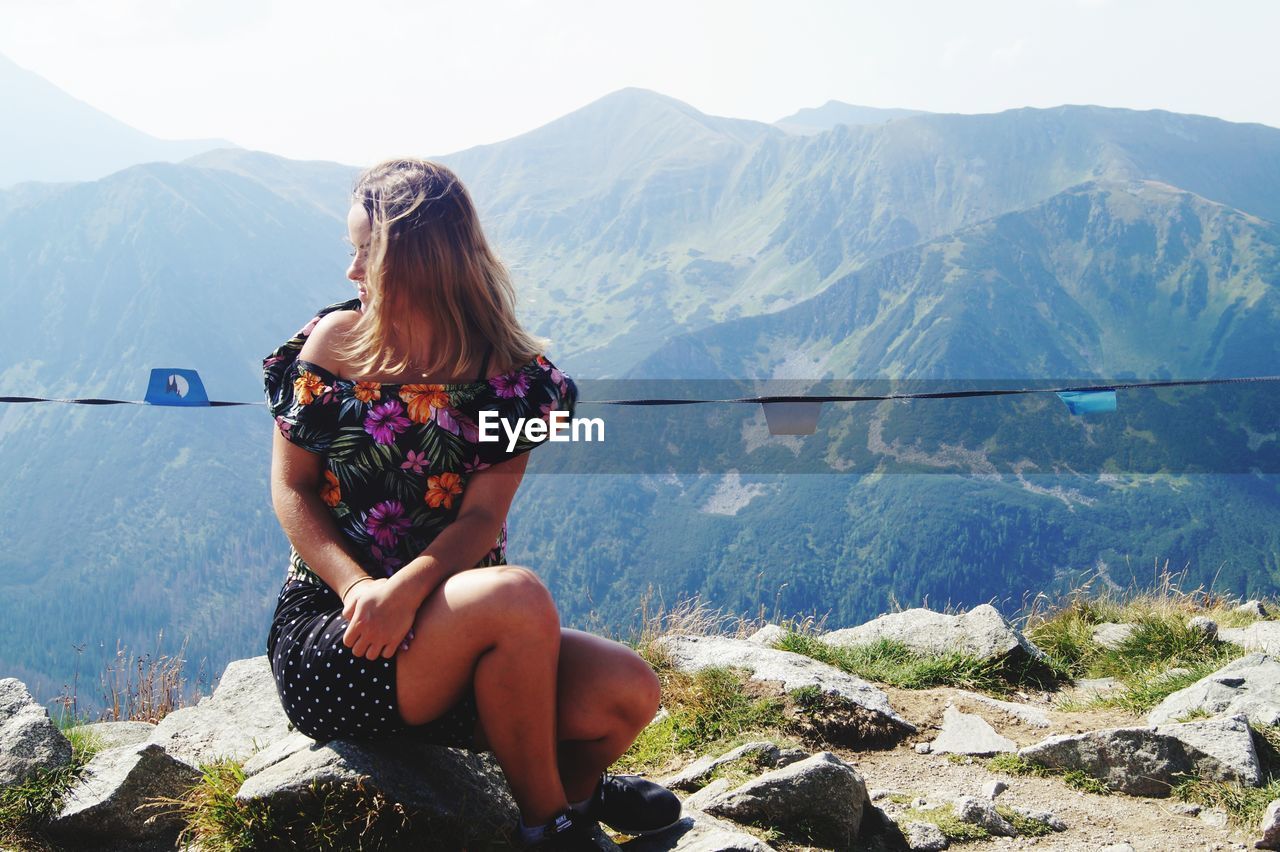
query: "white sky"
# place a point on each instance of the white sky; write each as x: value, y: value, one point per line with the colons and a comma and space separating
x: 318, y: 79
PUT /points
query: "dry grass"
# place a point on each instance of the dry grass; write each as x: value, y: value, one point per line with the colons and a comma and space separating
x: 137, y: 688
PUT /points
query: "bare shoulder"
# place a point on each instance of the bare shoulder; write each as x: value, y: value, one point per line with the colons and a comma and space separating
x: 323, y: 345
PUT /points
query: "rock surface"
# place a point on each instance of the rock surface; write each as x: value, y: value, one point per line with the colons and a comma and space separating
x: 981, y: 632
x: 29, y: 741
x: 792, y: 671
x: 1111, y: 635
x: 104, y: 805
x: 767, y: 635
x: 1262, y: 636
x: 982, y: 813
x: 822, y: 793
x: 454, y: 790
x: 1270, y: 828
x: 699, y: 832
x: 965, y: 733
x: 1146, y: 761
x: 764, y: 754
x: 1248, y: 686
x: 116, y: 734
x: 925, y: 837
x: 241, y: 716
x: 1024, y: 713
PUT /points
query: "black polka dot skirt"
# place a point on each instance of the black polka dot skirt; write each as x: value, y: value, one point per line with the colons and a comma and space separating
x: 328, y: 692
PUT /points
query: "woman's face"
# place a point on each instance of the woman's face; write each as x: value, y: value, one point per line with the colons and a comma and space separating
x: 358, y: 232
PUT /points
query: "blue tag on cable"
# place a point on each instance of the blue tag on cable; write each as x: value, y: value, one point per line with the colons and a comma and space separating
x: 176, y: 387
x: 1089, y: 402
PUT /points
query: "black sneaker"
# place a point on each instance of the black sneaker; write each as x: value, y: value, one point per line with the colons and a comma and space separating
x: 568, y: 832
x: 633, y: 805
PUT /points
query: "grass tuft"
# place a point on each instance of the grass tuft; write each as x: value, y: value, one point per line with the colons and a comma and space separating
x: 706, y: 710
x: 893, y: 663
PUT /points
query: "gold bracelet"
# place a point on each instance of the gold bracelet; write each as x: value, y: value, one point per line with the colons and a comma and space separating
x: 353, y: 585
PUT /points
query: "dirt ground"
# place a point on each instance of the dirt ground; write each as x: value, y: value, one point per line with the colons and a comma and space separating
x: 1093, y: 821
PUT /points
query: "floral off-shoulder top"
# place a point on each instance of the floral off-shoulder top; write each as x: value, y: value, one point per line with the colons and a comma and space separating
x: 397, y: 456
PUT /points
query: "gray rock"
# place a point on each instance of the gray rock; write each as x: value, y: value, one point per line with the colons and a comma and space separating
x: 29, y: 741
x: 822, y: 793
x: 1270, y: 828
x: 699, y: 832
x: 925, y: 837
x: 981, y: 632
x: 459, y: 794
x: 1022, y: 712
x: 1117, y: 847
x: 923, y: 748
x: 767, y: 635
x: 1111, y: 635
x: 964, y: 733
x: 108, y: 804
x: 1249, y: 686
x: 1214, y: 818
x: 276, y: 752
x: 766, y: 755
x: 116, y: 734
x: 708, y: 794
x: 1188, y: 809
x: 242, y: 716
x: 1203, y: 625
x: 1044, y: 817
x: 1145, y: 761
x: 991, y: 789
x: 1261, y: 636
x: 871, y: 715
x: 1252, y: 607
x: 982, y: 813
x: 1098, y: 685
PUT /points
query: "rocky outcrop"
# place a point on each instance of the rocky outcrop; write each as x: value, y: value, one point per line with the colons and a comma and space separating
x: 241, y: 716
x: 1249, y: 686
x: 29, y: 741
x: 867, y: 712
x: 1148, y: 761
x: 981, y: 632
x: 699, y: 832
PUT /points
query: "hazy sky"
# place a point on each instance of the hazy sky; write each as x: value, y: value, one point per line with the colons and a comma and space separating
x: 352, y: 82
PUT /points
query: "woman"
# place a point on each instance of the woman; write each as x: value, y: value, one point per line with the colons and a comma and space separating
x: 398, y: 612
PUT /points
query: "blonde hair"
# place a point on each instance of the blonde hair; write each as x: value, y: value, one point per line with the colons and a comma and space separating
x: 432, y: 283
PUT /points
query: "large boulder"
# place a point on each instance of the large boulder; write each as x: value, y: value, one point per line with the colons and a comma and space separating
x: 29, y: 741
x: 821, y: 796
x: 981, y: 632
x: 1147, y: 761
x: 866, y: 715
x: 242, y: 716
x: 452, y: 796
x: 1248, y: 686
x: 110, y: 802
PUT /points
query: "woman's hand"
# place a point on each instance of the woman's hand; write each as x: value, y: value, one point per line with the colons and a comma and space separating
x: 380, y: 617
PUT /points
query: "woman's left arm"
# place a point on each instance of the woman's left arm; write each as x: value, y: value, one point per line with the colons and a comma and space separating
x: 471, y: 535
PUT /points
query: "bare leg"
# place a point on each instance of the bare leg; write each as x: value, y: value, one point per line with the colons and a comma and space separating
x: 606, y: 695
x: 496, y: 627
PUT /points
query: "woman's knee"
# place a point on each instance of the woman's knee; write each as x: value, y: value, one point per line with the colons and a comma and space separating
x: 518, y: 597
x: 645, y: 689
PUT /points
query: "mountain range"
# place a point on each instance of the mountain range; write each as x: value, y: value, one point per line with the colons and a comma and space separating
x: 654, y: 243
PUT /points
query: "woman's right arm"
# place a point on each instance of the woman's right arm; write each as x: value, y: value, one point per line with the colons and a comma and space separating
x: 296, y: 476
